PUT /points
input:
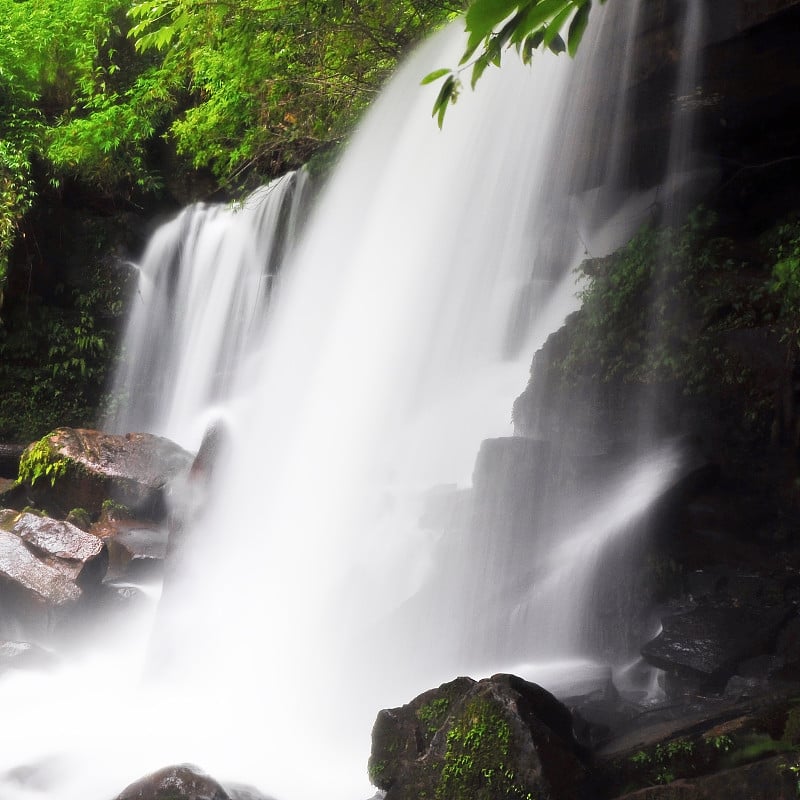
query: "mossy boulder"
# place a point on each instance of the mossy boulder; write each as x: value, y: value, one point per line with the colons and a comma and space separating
x: 79, y: 468
x: 501, y: 738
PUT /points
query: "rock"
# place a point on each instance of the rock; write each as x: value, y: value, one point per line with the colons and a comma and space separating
x: 496, y: 738
x: 28, y: 586
x: 703, y: 646
x: 24, y: 655
x: 12, y: 494
x: 136, y: 549
x: 46, y: 566
x: 771, y: 778
x: 76, y: 468
x: 82, y: 557
x: 9, y: 459
x: 182, y: 782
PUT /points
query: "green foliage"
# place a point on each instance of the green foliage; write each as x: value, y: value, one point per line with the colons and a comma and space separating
x: 375, y: 771
x: 493, y: 26
x: 657, y: 310
x: 476, y: 758
x: 721, y: 742
x: 433, y: 714
x: 55, y: 359
x: 38, y: 462
x: 785, y: 283
x: 271, y: 82
x: 666, y: 762
x: 100, y: 90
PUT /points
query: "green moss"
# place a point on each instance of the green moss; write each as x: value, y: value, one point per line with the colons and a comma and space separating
x: 476, y: 760
x: 80, y: 517
x: 39, y: 461
x: 658, y: 311
x: 434, y: 714
x: 376, y: 769
x: 757, y: 746
x: 114, y: 510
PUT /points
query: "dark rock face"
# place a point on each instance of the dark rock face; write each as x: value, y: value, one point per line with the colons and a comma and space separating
x: 772, y: 778
x: 498, y: 738
x: 133, y: 470
x: 705, y: 645
x: 183, y: 782
x: 9, y: 459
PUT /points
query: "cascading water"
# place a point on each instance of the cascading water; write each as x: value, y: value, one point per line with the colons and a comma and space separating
x: 199, y: 307
x: 298, y: 607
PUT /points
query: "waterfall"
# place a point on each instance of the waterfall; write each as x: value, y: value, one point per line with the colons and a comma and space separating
x: 430, y: 269
x: 198, y: 309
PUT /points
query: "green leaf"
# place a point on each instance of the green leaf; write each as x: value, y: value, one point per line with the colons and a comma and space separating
x: 578, y: 27
x: 479, y: 68
x: 434, y: 76
x: 483, y: 15
x: 532, y: 42
x: 472, y: 45
x: 536, y: 15
x: 557, y: 45
x: 444, y: 97
x: 555, y: 26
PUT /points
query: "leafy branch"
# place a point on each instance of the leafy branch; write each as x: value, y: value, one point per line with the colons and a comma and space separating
x: 495, y: 25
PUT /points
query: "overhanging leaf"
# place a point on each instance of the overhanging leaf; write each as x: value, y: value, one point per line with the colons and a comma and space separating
x: 434, y: 76
x: 536, y: 15
x: 578, y: 27
x: 483, y: 15
x: 557, y: 45
x: 555, y: 26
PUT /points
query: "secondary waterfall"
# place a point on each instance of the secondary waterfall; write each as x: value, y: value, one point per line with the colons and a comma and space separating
x: 204, y: 285
x: 431, y: 268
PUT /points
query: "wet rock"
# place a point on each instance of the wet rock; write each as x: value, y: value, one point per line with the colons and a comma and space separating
x: 24, y: 655
x: 9, y: 459
x: 772, y: 778
x: 702, y: 647
x: 499, y: 737
x: 27, y: 583
x: 12, y: 494
x: 87, y: 467
x: 82, y: 557
x: 136, y: 549
x: 182, y: 782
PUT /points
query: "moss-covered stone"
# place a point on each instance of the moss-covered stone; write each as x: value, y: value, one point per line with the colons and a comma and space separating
x: 498, y: 739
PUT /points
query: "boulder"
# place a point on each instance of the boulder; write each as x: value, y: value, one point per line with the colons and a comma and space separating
x: 28, y: 586
x: 501, y: 737
x: 46, y: 566
x: 181, y: 782
x: 82, y: 557
x: 76, y: 468
x: 702, y: 647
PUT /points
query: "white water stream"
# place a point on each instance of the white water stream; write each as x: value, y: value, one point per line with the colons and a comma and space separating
x: 385, y: 359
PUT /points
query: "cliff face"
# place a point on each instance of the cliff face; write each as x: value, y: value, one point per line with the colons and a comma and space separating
x: 745, y: 102
x: 689, y: 333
